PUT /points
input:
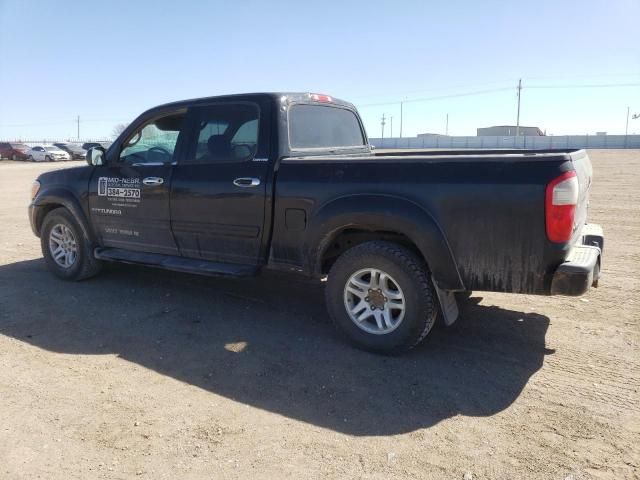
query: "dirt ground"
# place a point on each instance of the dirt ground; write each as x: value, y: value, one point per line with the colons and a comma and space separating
x: 141, y: 373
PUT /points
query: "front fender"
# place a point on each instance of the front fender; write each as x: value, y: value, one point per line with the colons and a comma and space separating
x: 385, y: 213
x: 57, y: 196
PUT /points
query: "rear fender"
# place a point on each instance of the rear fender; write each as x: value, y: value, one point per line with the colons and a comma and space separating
x: 383, y: 213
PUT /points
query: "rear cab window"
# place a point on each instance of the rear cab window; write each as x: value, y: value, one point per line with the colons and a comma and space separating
x: 324, y: 127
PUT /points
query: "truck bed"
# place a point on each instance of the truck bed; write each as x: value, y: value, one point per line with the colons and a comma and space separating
x: 489, y: 206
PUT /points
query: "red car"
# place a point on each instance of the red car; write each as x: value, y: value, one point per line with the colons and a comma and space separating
x: 13, y: 151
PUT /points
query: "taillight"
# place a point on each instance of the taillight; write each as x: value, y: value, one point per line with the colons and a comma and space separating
x: 560, y: 203
x: 320, y: 98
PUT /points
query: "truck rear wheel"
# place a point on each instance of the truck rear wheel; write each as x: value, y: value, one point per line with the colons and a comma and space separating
x: 66, y: 250
x: 380, y: 296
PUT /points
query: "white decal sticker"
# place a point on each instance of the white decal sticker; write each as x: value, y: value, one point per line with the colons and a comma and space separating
x: 107, y: 211
x: 117, y: 189
x: 123, y: 192
x: 120, y: 231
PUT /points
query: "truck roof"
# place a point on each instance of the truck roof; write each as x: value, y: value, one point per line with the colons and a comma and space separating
x: 276, y: 96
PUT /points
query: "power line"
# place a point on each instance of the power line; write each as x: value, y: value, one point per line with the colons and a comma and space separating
x: 64, y: 122
x: 493, y: 90
x: 429, y: 90
x: 590, y: 85
x: 439, y: 97
x: 37, y: 124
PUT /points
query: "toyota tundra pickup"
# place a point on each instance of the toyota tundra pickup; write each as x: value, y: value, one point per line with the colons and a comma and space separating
x: 236, y: 184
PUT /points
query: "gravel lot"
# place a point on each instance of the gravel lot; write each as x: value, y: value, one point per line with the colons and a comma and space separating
x: 141, y: 373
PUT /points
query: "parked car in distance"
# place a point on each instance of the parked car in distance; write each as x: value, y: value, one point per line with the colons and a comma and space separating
x: 48, y: 153
x: 89, y: 145
x: 14, y: 151
x: 75, y: 151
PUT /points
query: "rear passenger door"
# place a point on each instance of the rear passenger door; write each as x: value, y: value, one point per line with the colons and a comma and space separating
x: 218, y: 186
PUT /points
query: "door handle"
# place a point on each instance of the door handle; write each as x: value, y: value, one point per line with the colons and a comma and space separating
x: 246, y: 182
x: 153, y: 181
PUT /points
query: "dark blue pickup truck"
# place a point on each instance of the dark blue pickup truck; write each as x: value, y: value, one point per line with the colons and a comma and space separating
x: 235, y: 184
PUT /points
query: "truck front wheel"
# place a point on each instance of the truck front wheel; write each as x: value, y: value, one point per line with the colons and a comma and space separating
x: 380, y: 296
x: 66, y: 250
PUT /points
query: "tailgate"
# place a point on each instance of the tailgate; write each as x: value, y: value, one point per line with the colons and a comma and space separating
x: 584, y: 172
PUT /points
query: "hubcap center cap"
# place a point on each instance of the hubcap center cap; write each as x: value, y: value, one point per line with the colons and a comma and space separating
x: 376, y: 299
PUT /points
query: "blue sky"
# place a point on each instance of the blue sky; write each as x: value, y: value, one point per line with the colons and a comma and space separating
x: 109, y: 61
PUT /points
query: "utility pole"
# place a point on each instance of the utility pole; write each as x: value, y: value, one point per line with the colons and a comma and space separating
x: 382, y: 123
x: 446, y: 129
x: 78, y: 120
x: 400, y: 119
x: 518, y: 117
x: 391, y: 132
x: 626, y: 128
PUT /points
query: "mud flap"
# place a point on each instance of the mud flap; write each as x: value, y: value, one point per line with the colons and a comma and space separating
x: 448, y: 304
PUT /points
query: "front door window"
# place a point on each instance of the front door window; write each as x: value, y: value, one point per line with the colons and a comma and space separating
x: 154, y: 142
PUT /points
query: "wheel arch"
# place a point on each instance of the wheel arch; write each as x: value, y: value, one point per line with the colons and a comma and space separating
x: 49, y: 200
x: 384, y: 217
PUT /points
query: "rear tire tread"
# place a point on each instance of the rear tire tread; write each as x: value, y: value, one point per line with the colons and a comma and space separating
x: 414, y: 267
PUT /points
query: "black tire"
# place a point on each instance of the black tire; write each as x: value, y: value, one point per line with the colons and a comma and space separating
x: 30, y: 158
x: 85, y: 264
x: 411, y: 275
x: 47, y: 158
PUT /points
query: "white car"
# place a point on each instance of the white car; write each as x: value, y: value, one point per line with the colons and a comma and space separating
x: 47, y: 153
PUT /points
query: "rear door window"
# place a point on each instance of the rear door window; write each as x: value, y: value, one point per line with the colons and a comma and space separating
x: 320, y: 126
x: 224, y: 133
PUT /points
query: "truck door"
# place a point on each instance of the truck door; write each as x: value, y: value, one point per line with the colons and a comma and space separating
x: 218, y: 186
x: 129, y: 195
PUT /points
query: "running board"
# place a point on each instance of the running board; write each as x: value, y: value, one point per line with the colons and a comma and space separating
x: 178, y: 264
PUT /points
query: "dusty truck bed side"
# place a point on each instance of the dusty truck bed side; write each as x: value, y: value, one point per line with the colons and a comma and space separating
x: 487, y: 208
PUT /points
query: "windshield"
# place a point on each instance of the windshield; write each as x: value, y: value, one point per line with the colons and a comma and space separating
x: 52, y: 149
x: 319, y: 126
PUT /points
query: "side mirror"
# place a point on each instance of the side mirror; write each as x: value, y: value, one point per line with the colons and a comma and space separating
x: 95, y: 156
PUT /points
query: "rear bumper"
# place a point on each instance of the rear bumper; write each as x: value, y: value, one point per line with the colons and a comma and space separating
x: 581, y: 269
